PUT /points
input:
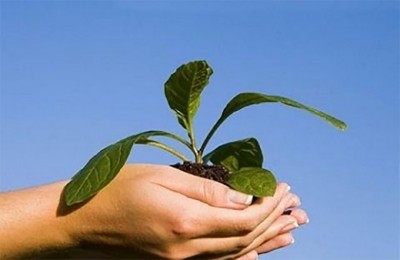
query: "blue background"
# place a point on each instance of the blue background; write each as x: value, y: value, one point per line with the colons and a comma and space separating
x: 79, y: 75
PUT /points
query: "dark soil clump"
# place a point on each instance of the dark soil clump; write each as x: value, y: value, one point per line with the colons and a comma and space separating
x: 212, y: 172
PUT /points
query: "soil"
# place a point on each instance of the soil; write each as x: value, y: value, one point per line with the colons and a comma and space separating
x: 212, y: 172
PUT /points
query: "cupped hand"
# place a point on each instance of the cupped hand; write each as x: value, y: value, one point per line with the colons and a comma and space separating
x: 158, y: 211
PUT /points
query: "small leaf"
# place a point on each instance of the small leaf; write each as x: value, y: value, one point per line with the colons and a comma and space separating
x: 236, y: 155
x: 183, y: 90
x: 243, y: 100
x: 104, y: 166
x: 253, y: 181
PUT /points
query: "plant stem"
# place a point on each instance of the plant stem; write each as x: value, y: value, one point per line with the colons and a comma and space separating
x: 166, y: 148
x: 194, y: 149
x: 209, y: 135
x: 180, y: 139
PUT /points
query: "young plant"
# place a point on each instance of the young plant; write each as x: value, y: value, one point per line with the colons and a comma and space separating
x: 242, y: 159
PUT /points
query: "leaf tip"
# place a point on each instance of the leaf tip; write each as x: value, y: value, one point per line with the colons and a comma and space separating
x: 342, y: 126
x: 69, y: 198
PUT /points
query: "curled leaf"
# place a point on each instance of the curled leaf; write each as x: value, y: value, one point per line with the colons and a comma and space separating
x: 183, y: 90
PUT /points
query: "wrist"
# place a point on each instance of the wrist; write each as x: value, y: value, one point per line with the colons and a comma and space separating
x: 61, y: 221
x: 31, y: 222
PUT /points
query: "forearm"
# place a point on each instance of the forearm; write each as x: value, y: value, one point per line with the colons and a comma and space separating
x: 30, y: 222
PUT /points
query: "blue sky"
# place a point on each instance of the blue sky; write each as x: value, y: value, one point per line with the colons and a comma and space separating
x: 79, y: 75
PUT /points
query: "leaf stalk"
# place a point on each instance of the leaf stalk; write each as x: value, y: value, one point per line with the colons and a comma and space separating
x: 165, y: 148
x: 196, y: 152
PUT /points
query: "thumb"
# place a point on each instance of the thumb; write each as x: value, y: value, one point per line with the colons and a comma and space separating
x: 219, y: 195
x: 208, y: 191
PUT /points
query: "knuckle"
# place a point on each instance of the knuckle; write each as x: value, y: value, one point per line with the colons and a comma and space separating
x: 168, y: 253
x: 248, y: 225
x: 184, y: 227
x: 243, y: 243
x: 242, y: 228
x: 213, y: 193
x: 208, y: 191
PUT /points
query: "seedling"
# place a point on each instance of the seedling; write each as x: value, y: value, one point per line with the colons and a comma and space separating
x: 241, y: 160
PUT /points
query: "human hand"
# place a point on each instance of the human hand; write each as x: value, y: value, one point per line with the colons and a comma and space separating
x: 151, y: 210
x: 282, y: 228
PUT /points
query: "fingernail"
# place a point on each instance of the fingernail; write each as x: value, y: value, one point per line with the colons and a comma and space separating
x: 307, y: 220
x: 240, y: 198
x: 290, y: 226
x: 249, y: 200
x: 292, y: 242
x: 288, y: 188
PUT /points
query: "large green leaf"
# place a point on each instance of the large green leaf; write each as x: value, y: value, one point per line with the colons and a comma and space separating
x: 104, y: 166
x: 236, y: 155
x: 253, y: 181
x: 183, y: 90
x: 246, y: 99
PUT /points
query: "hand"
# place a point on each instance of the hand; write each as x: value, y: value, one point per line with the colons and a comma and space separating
x: 159, y: 211
x: 284, y: 237
x: 147, y: 211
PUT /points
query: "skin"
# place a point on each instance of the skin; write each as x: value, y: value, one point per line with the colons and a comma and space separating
x: 149, y: 211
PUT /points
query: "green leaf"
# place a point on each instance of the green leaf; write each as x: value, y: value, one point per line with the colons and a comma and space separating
x: 183, y: 90
x: 243, y: 100
x: 236, y: 155
x: 104, y: 166
x: 253, y: 181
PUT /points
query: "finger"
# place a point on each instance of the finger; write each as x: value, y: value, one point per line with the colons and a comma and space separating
x: 213, y: 193
x: 252, y: 255
x: 288, y: 228
x: 282, y: 225
x: 275, y: 215
x: 234, y: 246
x: 300, y: 215
x: 207, y: 191
x: 220, y: 234
x: 217, y: 222
x: 277, y: 242
x: 246, y: 243
x: 267, y: 230
x: 294, y: 202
